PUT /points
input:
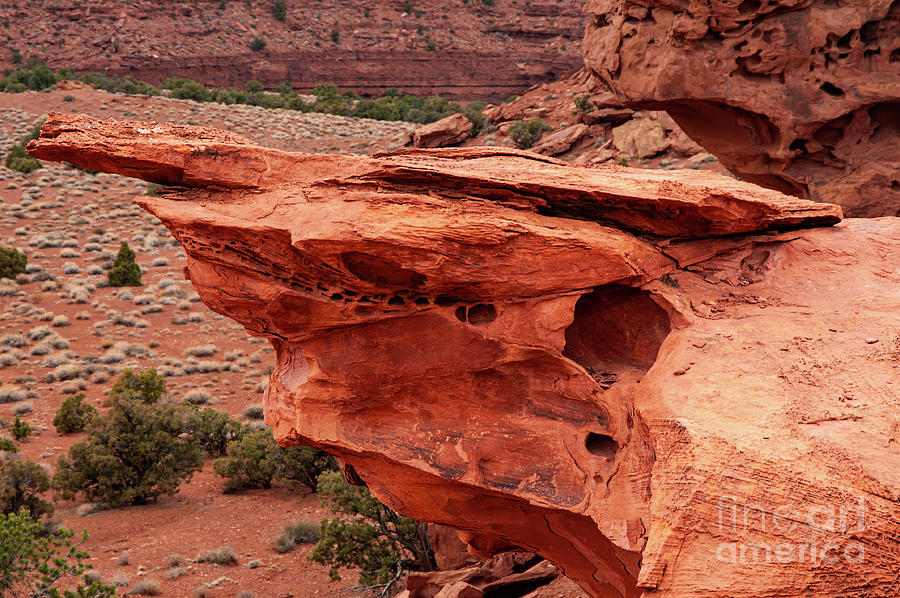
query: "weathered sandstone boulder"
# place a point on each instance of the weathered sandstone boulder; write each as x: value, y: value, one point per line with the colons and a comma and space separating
x: 639, y: 138
x: 447, y: 131
x: 669, y: 384
x: 800, y: 96
x: 562, y: 140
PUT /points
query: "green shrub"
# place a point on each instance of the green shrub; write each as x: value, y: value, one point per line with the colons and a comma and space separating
x: 368, y: 536
x: 191, y: 90
x: 134, y: 454
x: 146, y: 386
x: 33, y: 562
x: 6, y: 444
x: 302, y: 464
x: 212, y: 429
x: 12, y: 262
x: 583, y: 104
x: 124, y: 273
x: 20, y: 429
x: 258, y: 44
x: 251, y: 462
x: 18, y: 160
x: 475, y: 116
x: 525, y: 133
x: 256, y: 460
x: 294, y: 534
x: 335, y: 35
x: 279, y: 11
x: 73, y: 415
x: 34, y: 74
x: 21, y: 482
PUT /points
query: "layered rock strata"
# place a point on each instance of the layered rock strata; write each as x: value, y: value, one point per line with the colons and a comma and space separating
x: 669, y: 384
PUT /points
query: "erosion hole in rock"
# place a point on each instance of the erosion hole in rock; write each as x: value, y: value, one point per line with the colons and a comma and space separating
x: 616, y: 330
x: 380, y: 271
x: 748, y: 7
x: 482, y: 313
x: 601, y: 445
x: 461, y: 313
x: 831, y: 89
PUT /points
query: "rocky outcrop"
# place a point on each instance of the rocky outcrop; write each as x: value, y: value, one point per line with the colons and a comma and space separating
x: 448, y: 131
x: 669, y: 384
x: 584, y: 115
x: 473, y: 50
x: 800, y: 96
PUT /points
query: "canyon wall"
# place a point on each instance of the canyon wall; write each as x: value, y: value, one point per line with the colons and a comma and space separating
x: 471, y: 50
x: 670, y: 384
x: 802, y: 96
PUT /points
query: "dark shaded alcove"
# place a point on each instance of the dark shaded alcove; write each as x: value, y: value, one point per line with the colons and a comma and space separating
x: 616, y: 329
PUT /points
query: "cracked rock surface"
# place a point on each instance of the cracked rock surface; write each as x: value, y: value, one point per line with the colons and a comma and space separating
x: 662, y: 382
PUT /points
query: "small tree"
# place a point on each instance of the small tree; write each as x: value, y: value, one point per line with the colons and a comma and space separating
x: 251, y: 462
x: 20, y: 484
x: 476, y: 117
x: 12, y: 262
x: 583, y: 104
x: 146, y: 386
x: 303, y: 465
x: 525, y: 133
x: 33, y: 562
x: 124, y: 273
x: 369, y: 536
x: 133, y: 455
x: 256, y: 460
x: 212, y: 429
x: 73, y: 415
x: 20, y: 429
x: 258, y: 44
x: 279, y: 11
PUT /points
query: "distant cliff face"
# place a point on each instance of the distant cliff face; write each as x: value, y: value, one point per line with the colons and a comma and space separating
x: 462, y: 50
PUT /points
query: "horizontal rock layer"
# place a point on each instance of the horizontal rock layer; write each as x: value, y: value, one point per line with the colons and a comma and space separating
x: 626, y: 372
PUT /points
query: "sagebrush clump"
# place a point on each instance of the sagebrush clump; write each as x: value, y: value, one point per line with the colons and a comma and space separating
x: 294, y: 534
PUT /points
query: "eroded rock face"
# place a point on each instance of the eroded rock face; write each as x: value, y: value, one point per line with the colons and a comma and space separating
x: 800, y: 96
x: 640, y: 376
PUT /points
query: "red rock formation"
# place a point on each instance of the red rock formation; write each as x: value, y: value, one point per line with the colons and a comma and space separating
x: 800, y: 96
x: 461, y: 50
x: 447, y: 131
x: 663, y: 383
x: 582, y: 134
